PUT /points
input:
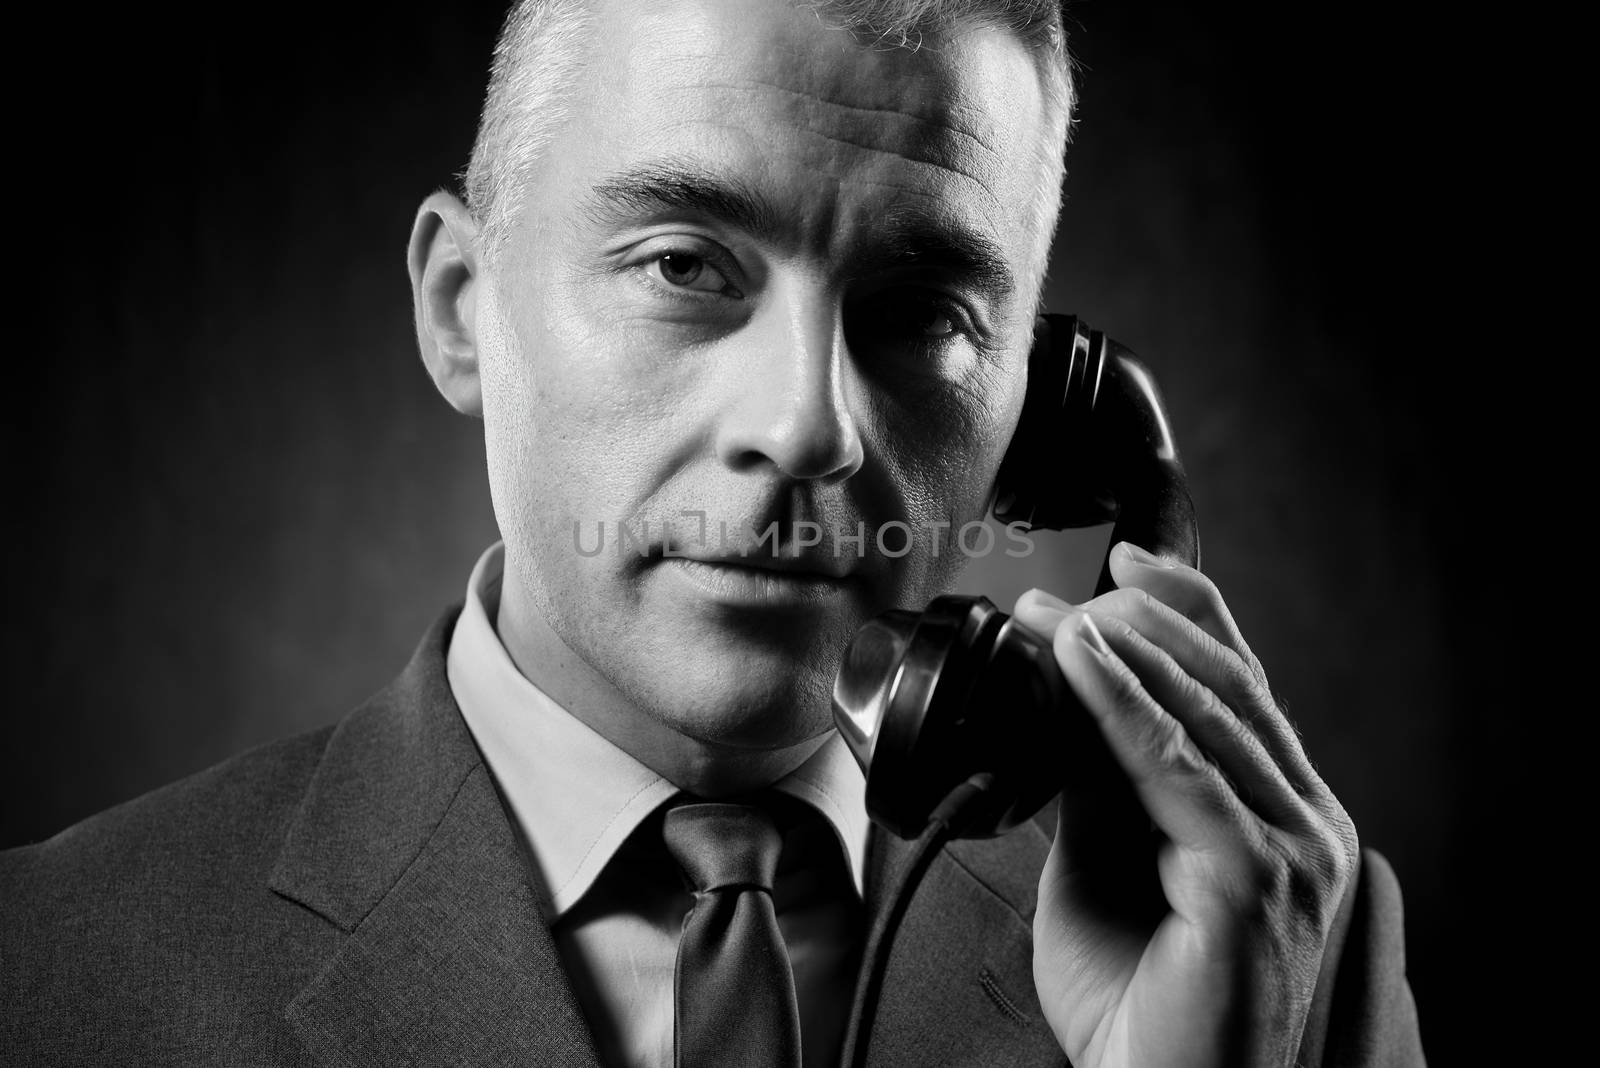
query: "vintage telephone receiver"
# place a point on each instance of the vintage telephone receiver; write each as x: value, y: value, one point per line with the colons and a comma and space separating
x: 957, y: 716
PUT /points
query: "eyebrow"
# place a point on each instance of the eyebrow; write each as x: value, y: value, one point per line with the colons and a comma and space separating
x: 908, y: 236
x: 918, y: 238
x: 662, y: 187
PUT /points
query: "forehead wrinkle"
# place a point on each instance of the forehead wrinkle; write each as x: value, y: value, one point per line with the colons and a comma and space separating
x: 864, y: 113
x: 918, y: 138
x: 926, y: 143
x: 743, y: 133
x: 950, y: 168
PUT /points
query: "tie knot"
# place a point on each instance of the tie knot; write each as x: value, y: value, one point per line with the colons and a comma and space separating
x: 719, y: 845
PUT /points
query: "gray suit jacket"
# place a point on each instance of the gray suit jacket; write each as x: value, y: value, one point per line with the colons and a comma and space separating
x: 356, y: 896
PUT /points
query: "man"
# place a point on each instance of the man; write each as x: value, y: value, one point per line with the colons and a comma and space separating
x: 750, y: 266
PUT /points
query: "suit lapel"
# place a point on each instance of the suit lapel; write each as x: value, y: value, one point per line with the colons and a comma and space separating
x: 402, y: 842
x: 958, y: 989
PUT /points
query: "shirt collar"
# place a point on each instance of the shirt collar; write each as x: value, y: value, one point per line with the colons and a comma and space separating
x: 576, y: 796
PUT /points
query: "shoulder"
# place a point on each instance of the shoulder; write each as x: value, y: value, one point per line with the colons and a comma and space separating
x: 178, y: 927
x: 160, y: 909
x: 216, y: 824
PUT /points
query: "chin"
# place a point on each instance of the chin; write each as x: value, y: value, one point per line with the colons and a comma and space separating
x: 744, y: 687
x: 755, y: 705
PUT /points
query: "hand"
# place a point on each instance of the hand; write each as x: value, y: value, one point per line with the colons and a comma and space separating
x: 1199, y: 860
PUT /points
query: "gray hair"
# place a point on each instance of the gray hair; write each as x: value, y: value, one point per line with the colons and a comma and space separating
x: 538, y: 57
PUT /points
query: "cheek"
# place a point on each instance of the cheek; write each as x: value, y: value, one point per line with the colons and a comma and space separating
x: 946, y: 456
x: 584, y: 423
x: 540, y: 437
x: 946, y: 450
x: 570, y: 417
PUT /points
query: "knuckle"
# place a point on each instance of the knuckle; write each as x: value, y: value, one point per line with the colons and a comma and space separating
x: 1326, y: 861
x: 1316, y: 876
x: 1210, y: 705
x: 1280, y: 884
x: 1237, y: 676
x: 1293, y: 882
x: 1257, y: 671
x: 1261, y: 885
x: 1140, y: 601
x: 1125, y: 688
x: 1210, y: 710
x: 1346, y: 842
x: 1188, y: 694
x: 1308, y: 898
x: 1117, y: 628
x: 1223, y: 723
x: 1173, y: 746
x: 1128, y: 602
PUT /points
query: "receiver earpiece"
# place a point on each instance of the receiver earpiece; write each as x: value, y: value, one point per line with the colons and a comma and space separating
x: 960, y: 704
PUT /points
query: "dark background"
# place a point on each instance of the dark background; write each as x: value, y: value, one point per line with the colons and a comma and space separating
x: 238, y: 501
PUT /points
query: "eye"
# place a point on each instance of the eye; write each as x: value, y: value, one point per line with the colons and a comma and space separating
x: 919, y: 315
x: 686, y: 270
x: 926, y: 319
x: 907, y: 316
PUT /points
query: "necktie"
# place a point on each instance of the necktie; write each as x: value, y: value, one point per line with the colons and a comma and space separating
x: 733, y: 987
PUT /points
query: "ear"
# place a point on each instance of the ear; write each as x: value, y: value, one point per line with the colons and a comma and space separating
x: 443, y: 263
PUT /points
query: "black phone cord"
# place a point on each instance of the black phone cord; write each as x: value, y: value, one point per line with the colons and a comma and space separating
x: 945, y: 824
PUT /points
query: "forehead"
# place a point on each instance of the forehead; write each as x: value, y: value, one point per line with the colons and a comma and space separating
x: 833, y: 130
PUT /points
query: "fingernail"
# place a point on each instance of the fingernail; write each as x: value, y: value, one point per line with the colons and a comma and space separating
x: 1091, y: 635
x: 1044, y: 599
x: 1140, y: 556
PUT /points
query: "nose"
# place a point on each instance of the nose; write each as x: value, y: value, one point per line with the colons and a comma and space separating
x: 790, y: 406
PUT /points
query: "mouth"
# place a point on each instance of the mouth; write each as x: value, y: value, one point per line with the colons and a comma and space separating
x: 764, y: 581
x: 794, y: 565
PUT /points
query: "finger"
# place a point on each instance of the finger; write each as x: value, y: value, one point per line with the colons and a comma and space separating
x: 1222, y: 736
x: 1220, y: 669
x: 1183, y: 792
x: 1186, y: 590
x: 1041, y: 612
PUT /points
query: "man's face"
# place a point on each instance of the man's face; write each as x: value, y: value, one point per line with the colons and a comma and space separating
x: 771, y: 275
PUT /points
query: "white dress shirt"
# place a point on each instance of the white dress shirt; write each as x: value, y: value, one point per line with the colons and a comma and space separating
x: 616, y: 904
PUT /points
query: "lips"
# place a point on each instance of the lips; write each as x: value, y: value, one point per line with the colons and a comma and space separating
x: 798, y: 567
x: 763, y: 584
